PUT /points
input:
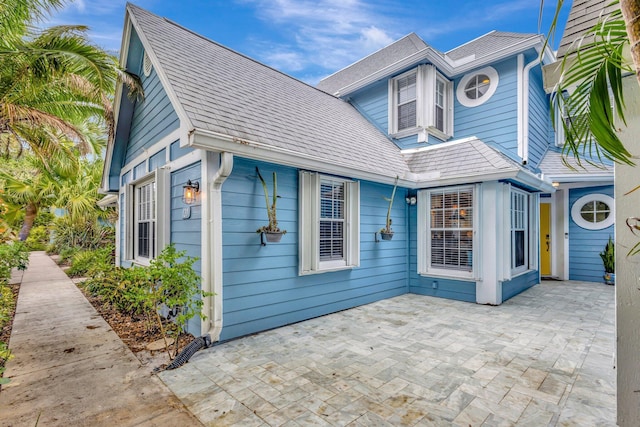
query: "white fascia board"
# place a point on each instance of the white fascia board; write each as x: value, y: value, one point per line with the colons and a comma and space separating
x: 177, y: 106
x: 586, y: 177
x: 521, y: 176
x: 444, y: 64
x: 438, y: 146
x: 208, y: 140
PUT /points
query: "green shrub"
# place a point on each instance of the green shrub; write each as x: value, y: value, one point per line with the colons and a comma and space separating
x: 89, y: 234
x: 66, y: 254
x: 168, y: 282
x: 12, y: 255
x: 84, y: 262
x: 38, y: 238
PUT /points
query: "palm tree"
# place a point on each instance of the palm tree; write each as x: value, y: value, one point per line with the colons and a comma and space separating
x: 52, y: 81
x: 590, y: 86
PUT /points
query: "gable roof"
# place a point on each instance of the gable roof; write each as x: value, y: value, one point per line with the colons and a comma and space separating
x: 553, y: 167
x: 584, y: 15
x: 222, y: 93
x: 487, y: 44
x: 410, y: 51
x: 228, y: 102
x: 396, y: 51
x: 465, y: 160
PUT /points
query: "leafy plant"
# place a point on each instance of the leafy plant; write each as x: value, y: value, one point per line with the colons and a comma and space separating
x: 177, y: 287
x: 38, y: 238
x: 12, y: 255
x: 387, y: 228
x: 272, y: 227
x: 84, y: 262
x: 608, y: 256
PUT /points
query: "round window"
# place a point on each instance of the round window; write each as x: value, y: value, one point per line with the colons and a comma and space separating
x: 593, y: 211
x: 476, y: 88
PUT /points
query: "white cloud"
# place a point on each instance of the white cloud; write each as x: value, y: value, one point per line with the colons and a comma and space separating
x: 329, y: 34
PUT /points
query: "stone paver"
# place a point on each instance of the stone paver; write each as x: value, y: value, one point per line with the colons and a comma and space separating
x: 542, y: 358
x: 70, y: 368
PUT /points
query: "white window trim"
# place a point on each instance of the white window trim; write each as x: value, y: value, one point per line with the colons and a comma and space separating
x: 527, y: 233
x: 162, y: 216
x: 426, y: 76
x: 424, y: 233
x: 581, y: 222
x: 309, y: 225
x: 494, y: 79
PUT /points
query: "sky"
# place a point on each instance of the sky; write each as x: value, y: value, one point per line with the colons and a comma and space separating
x: 311, y: 39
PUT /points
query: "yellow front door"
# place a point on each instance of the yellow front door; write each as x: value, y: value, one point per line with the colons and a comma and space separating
x: 545, y: 239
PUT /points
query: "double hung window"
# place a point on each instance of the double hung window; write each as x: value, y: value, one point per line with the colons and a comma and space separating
x: 329, y: 223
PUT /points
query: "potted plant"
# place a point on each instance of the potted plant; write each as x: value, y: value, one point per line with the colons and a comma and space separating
x: 272, y: 232
x: 387, y: 233
x: 608, y: 256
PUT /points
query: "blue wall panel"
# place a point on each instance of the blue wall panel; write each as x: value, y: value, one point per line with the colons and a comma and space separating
x: 158, y: 159
x: 539, y: 118
x: 497, y: 119
x: 261, y: 285
x: 153, y: 117
x: 175, y: 151
x: 519, y: 284
x: 186, y: 233
x: 585, y: 245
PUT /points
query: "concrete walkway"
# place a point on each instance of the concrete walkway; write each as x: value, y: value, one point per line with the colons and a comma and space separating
x: 543, y: 358
x: 70, y: 368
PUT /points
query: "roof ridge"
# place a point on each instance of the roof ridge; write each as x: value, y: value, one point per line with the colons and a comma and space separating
x: 413, y: 33
x: 182, y: 27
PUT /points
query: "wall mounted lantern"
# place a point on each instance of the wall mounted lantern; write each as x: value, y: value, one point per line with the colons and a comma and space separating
x: 190, y: 192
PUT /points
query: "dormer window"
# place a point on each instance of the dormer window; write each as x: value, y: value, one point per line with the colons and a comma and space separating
x: 421, y: 103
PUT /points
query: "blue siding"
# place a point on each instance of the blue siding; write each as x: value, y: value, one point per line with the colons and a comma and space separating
x: 185, y: 233
x: 126, y: 178
x: 445, y: 288
x: 158, y: 159
x: 519, y: 284
x: 153, y: 117
x: 176, y: 152
x: 496, y: 120
x: 262, y: 288
x: 539, y: 119
x: 373, y: 104
x: 140, y: 170
x: 586, y: 245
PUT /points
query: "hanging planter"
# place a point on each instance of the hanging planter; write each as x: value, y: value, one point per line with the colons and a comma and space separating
x: 271, y: 232
x: 386, y: 233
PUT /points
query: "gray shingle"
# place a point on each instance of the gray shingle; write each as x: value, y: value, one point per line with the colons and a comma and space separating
x: 223, y: 91
x: 487, y: 44
x: 552, y: 164
x: 396, y: 51
x: 584, y: 15
x: 460, y: 160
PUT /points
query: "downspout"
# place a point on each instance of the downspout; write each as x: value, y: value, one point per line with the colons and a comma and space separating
x: 212, y: 252
x: 525, y: 108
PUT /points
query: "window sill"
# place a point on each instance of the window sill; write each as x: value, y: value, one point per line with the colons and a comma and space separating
x: 518, y: 273
x: 437, y: 133
x: 327, y: 270
x: 139, y: 262
x: 447, y: 275
x: 405, y: 132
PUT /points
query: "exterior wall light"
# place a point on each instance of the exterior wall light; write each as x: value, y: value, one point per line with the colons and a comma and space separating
x: 190, y: 192
x: 411, y: 200
x: 555, y: 184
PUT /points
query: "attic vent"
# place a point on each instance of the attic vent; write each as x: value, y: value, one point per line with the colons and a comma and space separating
x: 146, y: 64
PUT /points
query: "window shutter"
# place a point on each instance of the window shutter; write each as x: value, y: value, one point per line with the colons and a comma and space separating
x: 308, y: 197
x: 353, y: 222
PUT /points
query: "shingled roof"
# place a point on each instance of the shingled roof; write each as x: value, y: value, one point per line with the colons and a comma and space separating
x: 219, y: 90
x: 487, y: 44
x: 396, y: 51
x: 555, y: 165
x: 222, y: 93
x: 468, y: 158
x: 584, y: 15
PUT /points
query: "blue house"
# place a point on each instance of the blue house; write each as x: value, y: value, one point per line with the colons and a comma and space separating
x: 464, y: 134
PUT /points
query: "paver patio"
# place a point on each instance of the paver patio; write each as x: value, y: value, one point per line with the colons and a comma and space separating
x: 544, y: 357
